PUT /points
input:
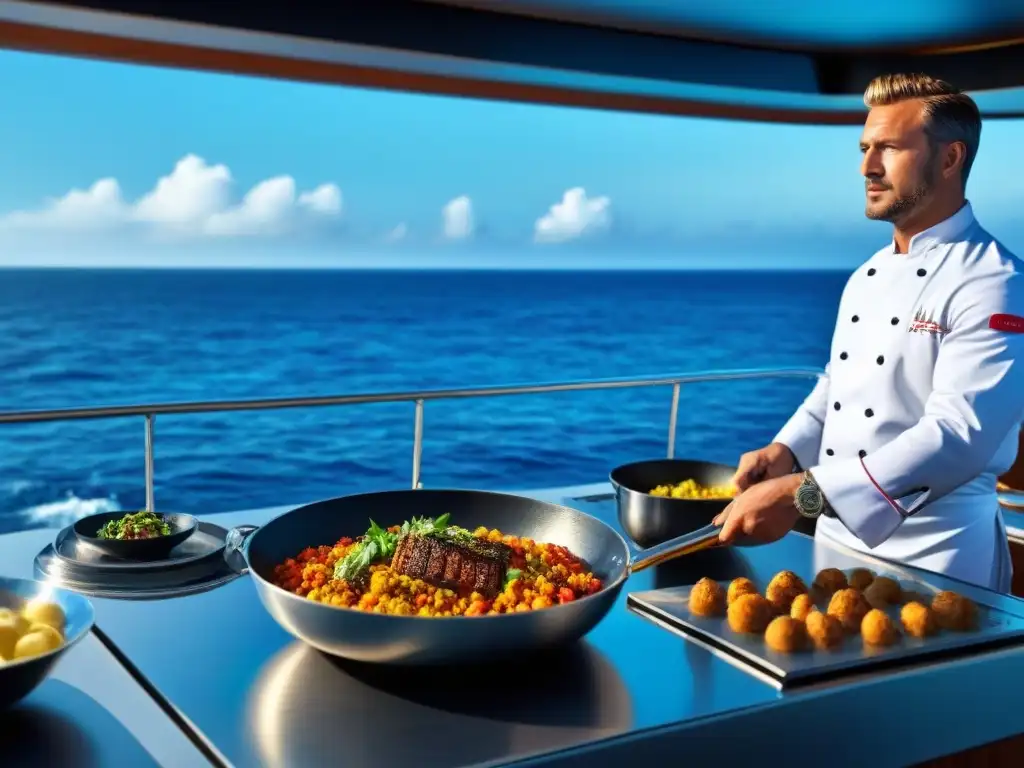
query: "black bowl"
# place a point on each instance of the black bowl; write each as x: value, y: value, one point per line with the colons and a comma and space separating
x: 182, y: 526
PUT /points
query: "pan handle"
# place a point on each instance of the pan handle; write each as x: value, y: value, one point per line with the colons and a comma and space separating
x: 236, y: 543
x: 688, y: 543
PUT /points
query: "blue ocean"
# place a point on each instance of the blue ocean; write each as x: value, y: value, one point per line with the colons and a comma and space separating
x: 107, y: 337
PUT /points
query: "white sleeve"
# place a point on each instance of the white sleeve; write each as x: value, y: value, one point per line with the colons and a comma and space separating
x: 802, y: 433
x: 977, y: 399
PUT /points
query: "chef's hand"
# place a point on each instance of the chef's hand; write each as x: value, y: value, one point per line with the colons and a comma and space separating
x: 775, y: 460
x: 764, y: 512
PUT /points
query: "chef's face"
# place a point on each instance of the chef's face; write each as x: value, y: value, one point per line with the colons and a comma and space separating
x: 900, y: 166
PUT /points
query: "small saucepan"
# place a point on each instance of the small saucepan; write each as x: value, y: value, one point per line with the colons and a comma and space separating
x: 156, y: 548
x: 651, y: 520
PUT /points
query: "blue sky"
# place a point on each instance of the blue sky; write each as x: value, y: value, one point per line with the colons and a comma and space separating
x: 360, y: 178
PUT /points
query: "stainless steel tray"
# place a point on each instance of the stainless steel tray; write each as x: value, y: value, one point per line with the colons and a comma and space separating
x: 669, y: 608
x: 197, y: 565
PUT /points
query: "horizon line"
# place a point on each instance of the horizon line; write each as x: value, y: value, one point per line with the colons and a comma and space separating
x: 420, y: 268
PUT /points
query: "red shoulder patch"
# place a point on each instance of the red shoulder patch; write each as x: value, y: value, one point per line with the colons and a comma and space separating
x: 1008, y: 323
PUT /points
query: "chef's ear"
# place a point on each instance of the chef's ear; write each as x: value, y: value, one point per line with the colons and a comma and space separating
x: 953, y: 156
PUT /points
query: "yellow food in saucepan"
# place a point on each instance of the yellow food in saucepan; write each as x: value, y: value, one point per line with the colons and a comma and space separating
x: 35, y: 629
x: 691, y: 489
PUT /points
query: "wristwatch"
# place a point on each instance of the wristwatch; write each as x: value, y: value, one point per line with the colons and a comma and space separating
x: 809, y: 500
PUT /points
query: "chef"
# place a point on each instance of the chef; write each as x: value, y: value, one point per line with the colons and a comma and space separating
x: 897, y: 449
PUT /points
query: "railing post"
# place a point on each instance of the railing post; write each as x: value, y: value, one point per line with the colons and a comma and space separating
x: 673, y: 418
x: 417, y: 446
x: 150, y: 419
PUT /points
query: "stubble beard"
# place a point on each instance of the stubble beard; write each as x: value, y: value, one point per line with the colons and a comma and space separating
x: 900, y: 208
x: 904, y: 207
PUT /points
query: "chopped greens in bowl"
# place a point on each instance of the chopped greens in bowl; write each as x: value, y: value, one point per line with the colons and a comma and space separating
x: 135, y: 525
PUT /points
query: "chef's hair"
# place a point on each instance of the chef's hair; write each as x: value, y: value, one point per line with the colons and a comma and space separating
x: 949, y: 113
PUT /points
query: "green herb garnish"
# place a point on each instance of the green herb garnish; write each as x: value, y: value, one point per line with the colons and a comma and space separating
x: 511, y: 575
x: 379, y: 544
x: 356, y: 561
x: 135, y: 525
x: 384, y: 540
x: 425, y: 526
x: 461, y: 535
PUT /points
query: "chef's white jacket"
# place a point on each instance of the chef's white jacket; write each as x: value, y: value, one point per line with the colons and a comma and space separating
x: 919, y: 410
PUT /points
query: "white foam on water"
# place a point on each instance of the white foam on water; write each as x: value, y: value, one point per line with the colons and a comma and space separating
x: 71, y: 508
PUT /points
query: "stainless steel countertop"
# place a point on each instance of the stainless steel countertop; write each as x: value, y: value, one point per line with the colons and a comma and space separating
x: 92, y: 712
x: 261, y: 698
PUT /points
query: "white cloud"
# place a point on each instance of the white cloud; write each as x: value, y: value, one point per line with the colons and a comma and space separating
x: 397, y: 234
x: 193, y: 199
x: 325, y: 199
x: 263, y: 211
x: 575, y: 216
x: 188, y: 196
x: 458, y: 218
x: 98, y: 207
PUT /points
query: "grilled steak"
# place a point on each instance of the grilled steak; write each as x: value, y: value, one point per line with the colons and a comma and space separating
x: 444, y: 562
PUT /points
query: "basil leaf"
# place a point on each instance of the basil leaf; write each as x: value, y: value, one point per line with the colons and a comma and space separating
x: 357, y: 561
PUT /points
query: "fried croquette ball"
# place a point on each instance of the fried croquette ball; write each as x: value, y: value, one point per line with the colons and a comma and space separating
x: 917, y: 619
x: 861, y: 578
x: 750, y: 614
x: 825, y: 631
x: 786, y: 635
x: 883, y: 592
x: 830, y: 580
x: 707, y: 598
x: 887, y: 588
x: 781, y: 590
x: 741, y: 586
x: 955, y: 612
x: 849, y: 606
x: 878, y: 629
x: 802, y: 607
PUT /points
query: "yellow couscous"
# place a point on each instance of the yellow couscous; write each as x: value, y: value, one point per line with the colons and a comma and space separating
x: 691, y: 489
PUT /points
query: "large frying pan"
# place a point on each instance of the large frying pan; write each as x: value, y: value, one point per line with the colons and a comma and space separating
x: 373, y: 637
x: 650, y: 520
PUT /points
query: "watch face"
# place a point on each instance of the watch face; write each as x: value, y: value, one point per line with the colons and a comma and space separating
x: 809, y: 501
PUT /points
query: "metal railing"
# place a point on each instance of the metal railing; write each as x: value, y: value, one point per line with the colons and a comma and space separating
x: 150, y: 412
